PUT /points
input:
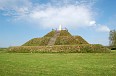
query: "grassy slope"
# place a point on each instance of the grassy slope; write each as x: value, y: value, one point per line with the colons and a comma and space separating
x: 80, y: 40
x: 65, y: 38
x: 58, y: 64
x: 37, y: 42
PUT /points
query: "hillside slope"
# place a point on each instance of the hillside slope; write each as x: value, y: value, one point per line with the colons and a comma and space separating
x: 54, y: 37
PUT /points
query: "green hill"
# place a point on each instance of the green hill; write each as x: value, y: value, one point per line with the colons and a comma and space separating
x: 64, y: 38
x: 50, y: 34
x: 37, y: 42
x: 59, y: 41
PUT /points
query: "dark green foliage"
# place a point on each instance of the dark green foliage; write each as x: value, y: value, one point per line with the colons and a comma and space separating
x: 110, y: 47
x: 83, y: 48
x: 113, y: 48
x: 112, y: 38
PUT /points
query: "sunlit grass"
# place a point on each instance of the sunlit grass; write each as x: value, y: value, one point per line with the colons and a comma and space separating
x: 58, y: 64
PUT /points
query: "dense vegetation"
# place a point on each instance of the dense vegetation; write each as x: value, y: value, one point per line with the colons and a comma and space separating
x: 83, y: 48
x: 58, y: 64
x: 112, y: 39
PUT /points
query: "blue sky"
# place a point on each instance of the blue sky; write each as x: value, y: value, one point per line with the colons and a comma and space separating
x: 22, y: 20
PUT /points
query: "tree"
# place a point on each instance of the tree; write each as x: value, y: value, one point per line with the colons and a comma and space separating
x: 112, y: 38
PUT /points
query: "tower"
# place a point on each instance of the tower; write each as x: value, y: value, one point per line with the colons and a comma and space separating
x: 60, y: 27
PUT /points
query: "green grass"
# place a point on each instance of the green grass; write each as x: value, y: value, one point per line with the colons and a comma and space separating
x: 65, y: 38
x: 58, y: 64
x: 3, y: 50
x: 37, y: 42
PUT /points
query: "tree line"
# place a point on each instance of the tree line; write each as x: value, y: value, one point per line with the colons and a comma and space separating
x: 112, y: 39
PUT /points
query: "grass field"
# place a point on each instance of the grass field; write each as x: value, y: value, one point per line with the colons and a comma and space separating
x: 57, y: 64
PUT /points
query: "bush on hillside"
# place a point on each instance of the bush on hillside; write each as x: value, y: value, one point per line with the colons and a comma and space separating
x: 111, y: 47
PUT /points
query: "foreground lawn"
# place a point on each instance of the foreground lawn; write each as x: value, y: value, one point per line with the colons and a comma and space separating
x: 58, y: 64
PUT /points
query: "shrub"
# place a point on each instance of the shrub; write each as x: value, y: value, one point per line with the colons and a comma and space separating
x: 113, y: 48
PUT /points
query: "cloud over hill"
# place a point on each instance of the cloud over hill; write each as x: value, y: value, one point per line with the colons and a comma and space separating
x: 69, y: 13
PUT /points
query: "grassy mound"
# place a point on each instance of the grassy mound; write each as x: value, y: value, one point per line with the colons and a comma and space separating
x: 80, y: 40
x: 37, y: 42
x: 64, y: 38
x: 64, y: 33
x: 64, y: 42
x: 50, y: 34
x: 70, y: 40
x: 83, y: 48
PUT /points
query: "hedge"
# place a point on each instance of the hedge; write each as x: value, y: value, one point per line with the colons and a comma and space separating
x: 83, y: 48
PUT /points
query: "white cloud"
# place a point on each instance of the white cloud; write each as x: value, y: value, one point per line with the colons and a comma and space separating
x: 103, y: 28
x: 15, y: 7
x: 69, y: 13
x: 70, y: 16
x: 92, y: 23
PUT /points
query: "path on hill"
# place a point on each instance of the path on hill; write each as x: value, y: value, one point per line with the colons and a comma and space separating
x: 53, y: 39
